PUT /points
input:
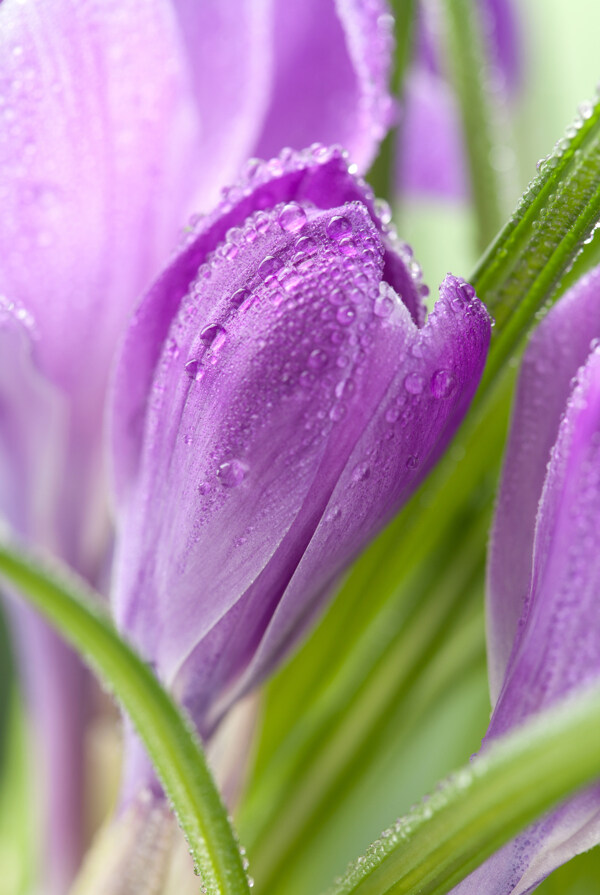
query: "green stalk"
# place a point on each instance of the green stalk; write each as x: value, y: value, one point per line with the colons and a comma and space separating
x: 487, y: 803
x: 76, y: 612
x: 382, y: 173
x: 318, y: 766
x: 470, y: 74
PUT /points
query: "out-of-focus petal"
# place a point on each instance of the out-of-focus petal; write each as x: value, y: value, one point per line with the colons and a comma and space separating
x: 332, y: 62
x: 501, y: 25
x: 33, y: 416
x: 557, y: 348
x: 98, y: 136
x: 431, y: 158
x: 229, y: 50
x: 557, y: 643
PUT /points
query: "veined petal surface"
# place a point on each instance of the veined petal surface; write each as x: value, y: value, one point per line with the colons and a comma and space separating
x: 278, y: 397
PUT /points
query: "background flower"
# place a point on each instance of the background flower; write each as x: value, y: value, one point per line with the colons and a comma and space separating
x: 119, y: 118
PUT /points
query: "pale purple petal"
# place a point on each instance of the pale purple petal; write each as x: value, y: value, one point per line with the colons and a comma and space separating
x: 98, y: 135
x: 557, y: 643
x: 431, y: 158
x: 319, y: 177
x: 281, y: 354
x: 501, y: 26
x: 230, y: 53
x: 332, y: 64
x: 33, y: 417
x: 557, y: 348
x: 434, y: 377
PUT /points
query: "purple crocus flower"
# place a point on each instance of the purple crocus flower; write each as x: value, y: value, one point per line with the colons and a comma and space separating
x: 544, y: 570
x: 278, y: 397
x: 431, y: 160
x: 117, y: 119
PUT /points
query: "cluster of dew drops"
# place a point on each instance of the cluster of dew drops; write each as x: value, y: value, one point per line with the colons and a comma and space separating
x: 282, y: 279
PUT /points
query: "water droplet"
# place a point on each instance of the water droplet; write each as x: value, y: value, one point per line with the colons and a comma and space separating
x: 318, y: 359
x: 345, y: 315
x: 338, y: 227
x: 337, y: 413
x: 361, y: 472
x: 384, y: 304
x: 214, y: 336
x: 268, y: 265
x: 414, y: 384
x: 194, y: 369
x: 232, y: 473
x: 292, y: 218
x: 348, y: 247
x: 306, y: 245
x: 468, y: 290
x: 412, y: 462
x: 239, y: 297
x: 442, y: 384
x: 203, y: 488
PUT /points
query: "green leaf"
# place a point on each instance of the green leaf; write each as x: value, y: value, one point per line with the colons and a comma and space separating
x: 77, y: 613
x: 319, y: 694
x: 471, y: 76
x: 382, y: 173
x: 521, y: 271
x: 484, y: 805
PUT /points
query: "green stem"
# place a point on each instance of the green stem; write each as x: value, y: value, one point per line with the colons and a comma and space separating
x: 382, y: 173
x: 316, y: 772
x: 174, y: 749
x: 470, y: 74
x: 513, y: 782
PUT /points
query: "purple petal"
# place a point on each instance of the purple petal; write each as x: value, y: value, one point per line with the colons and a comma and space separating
x: 268, y: 368
x: 332, y: 63
x: 434, y: 376
x: 431, y: 157
x: 502, y: 28
x: 32, y: 415
x: 319, y: 177
x: 556, y: 350
x: 99, y: 134
x: 229, y: 51
x: 557, y: 643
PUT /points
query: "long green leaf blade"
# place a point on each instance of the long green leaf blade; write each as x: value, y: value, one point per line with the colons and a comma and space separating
x: 173, y: 747
x: 486, y: 804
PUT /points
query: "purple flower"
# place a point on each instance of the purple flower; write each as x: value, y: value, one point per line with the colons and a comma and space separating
x: 278, y: 397
x: 544, y: 572
x: 431, y: 158
x: 118, y: 118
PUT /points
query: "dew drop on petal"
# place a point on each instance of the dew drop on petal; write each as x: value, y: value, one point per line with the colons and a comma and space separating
x: 292, y: 218
x: 194, y: 369
x: 345, y: 315
x: 414, y: 384
x: 361, y: 472
x: 214, y: 336
x: 232, y: 473
x: 442, y: 384
x: 318, y: 359
x: 338, y: 227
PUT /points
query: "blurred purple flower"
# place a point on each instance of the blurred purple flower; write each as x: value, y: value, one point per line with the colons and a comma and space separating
x: 118, y: 118
x: 278, y: 397
x: 431, y: 160
x: 544, y: 570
